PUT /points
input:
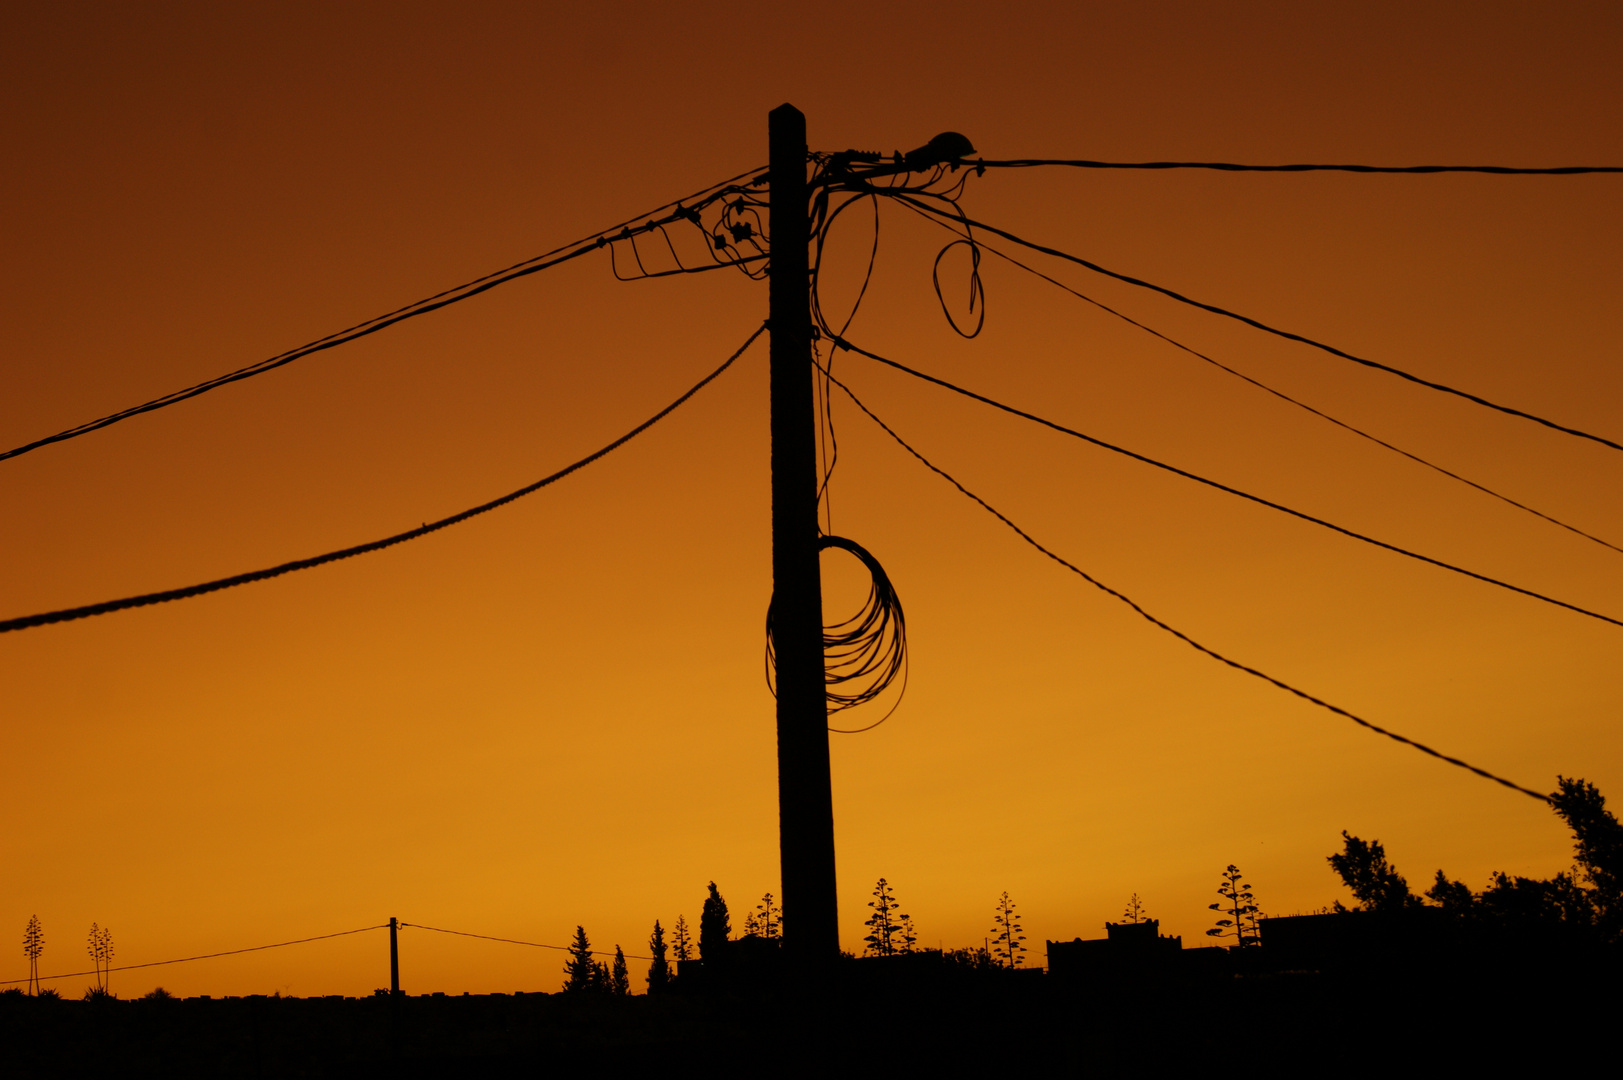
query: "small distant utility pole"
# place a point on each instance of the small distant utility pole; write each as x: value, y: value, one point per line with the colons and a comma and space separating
x: 811, y: 921
x: 394, y: 957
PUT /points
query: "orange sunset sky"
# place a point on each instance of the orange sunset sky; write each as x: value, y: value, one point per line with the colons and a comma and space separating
x: 555, y: 714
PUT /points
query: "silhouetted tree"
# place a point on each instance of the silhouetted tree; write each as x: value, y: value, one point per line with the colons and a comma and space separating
x: 580, y: 971
x: 33, y: 945
x: 1135, y: 910
x: 1241, y: 906
x: 973, y: 959
x: 681, y: 942
x: 714, y: 929
x: 1006, y: 934
x: 885, y: 936
x: 619, y: 983
x: 907, y: 936
x: 765, y: 920
x: 1585, y: 901
x: 659, y: 972
x: 100, y: 947
x: 1598, y: 841
x: 1454, y: 897
x: 1364, y: 870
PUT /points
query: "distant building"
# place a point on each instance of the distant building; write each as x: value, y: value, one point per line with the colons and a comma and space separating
x: 1126, y: 950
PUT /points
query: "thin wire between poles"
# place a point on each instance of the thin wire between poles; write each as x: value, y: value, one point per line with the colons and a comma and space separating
x: 1063, y: 430
x: 1257, y: 324
x: 1259, y: 384
x: 1180, y: 635
x: 515, y: 941
x: 27, y: 621
x: 1229, y: 166
x: 473, y: 288
x: 207, y: 956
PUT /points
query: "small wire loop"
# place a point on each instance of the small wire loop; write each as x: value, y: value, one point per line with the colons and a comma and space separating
x: 977, y: 292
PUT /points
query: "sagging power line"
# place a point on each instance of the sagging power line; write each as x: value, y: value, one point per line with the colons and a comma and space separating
x: 204, y: 956
x: 1259, y: 384
x: 1197, y: 478
x: 185, y: 592
x: 688, y: 209
x: 960, y: 218
x: 1180, y: 635
x: 515, y: 941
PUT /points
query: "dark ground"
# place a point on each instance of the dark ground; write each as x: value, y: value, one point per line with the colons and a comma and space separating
x: 1305, y: 1023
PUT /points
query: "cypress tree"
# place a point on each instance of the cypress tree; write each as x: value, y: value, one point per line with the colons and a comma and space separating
x: 714, y: 929
x: 659, y: 972
x: 619, y: 977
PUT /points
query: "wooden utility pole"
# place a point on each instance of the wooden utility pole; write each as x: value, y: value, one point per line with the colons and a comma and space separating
x: 811, y: 921
x: 394, y: 957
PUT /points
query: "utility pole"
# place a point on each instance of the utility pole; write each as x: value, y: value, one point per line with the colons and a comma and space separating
x: 394, y: 957
x: 811, y: 921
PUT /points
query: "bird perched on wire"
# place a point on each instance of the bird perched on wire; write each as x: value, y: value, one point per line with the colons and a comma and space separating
x: 946, y: 147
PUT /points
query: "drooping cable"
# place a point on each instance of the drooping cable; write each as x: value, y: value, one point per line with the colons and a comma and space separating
x: 205, y: 956
x: 828, y: 441
x: 626, y: 230
x: 1229, y: 166
x: 1186, y: 474
x: 1259, y: 384
x: 108, y: 606
x: 1180, y: 635
x: 862, y: 655
x: 515, y: 941
x: 1214, y: 309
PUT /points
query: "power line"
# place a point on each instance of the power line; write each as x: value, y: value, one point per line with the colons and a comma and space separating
x: 205, y: 956
x: 1180, y: 635
x: 514, y: 941
x: 1259, y: 384
x: 108, y: 606
x: 1214, y: 309
x: 535, y: 264
x: 1222, y: 487
x: 1229, y: 166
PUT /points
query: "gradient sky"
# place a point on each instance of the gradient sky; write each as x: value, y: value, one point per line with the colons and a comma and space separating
x: 555, y: 714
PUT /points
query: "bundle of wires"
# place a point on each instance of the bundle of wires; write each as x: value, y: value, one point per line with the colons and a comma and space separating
x: 863, y: 655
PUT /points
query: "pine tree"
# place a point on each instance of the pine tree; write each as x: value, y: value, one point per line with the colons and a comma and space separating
x: 33, y: 945
x: 619, y: 983
x: 580, y: 972
x: 1241, y: 906
x: 885, y: 936
x: 659, y: 972
x: 681, y: 941
x: 714, y: 929
x: 1006, y: 934
x: 1135, y: 910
